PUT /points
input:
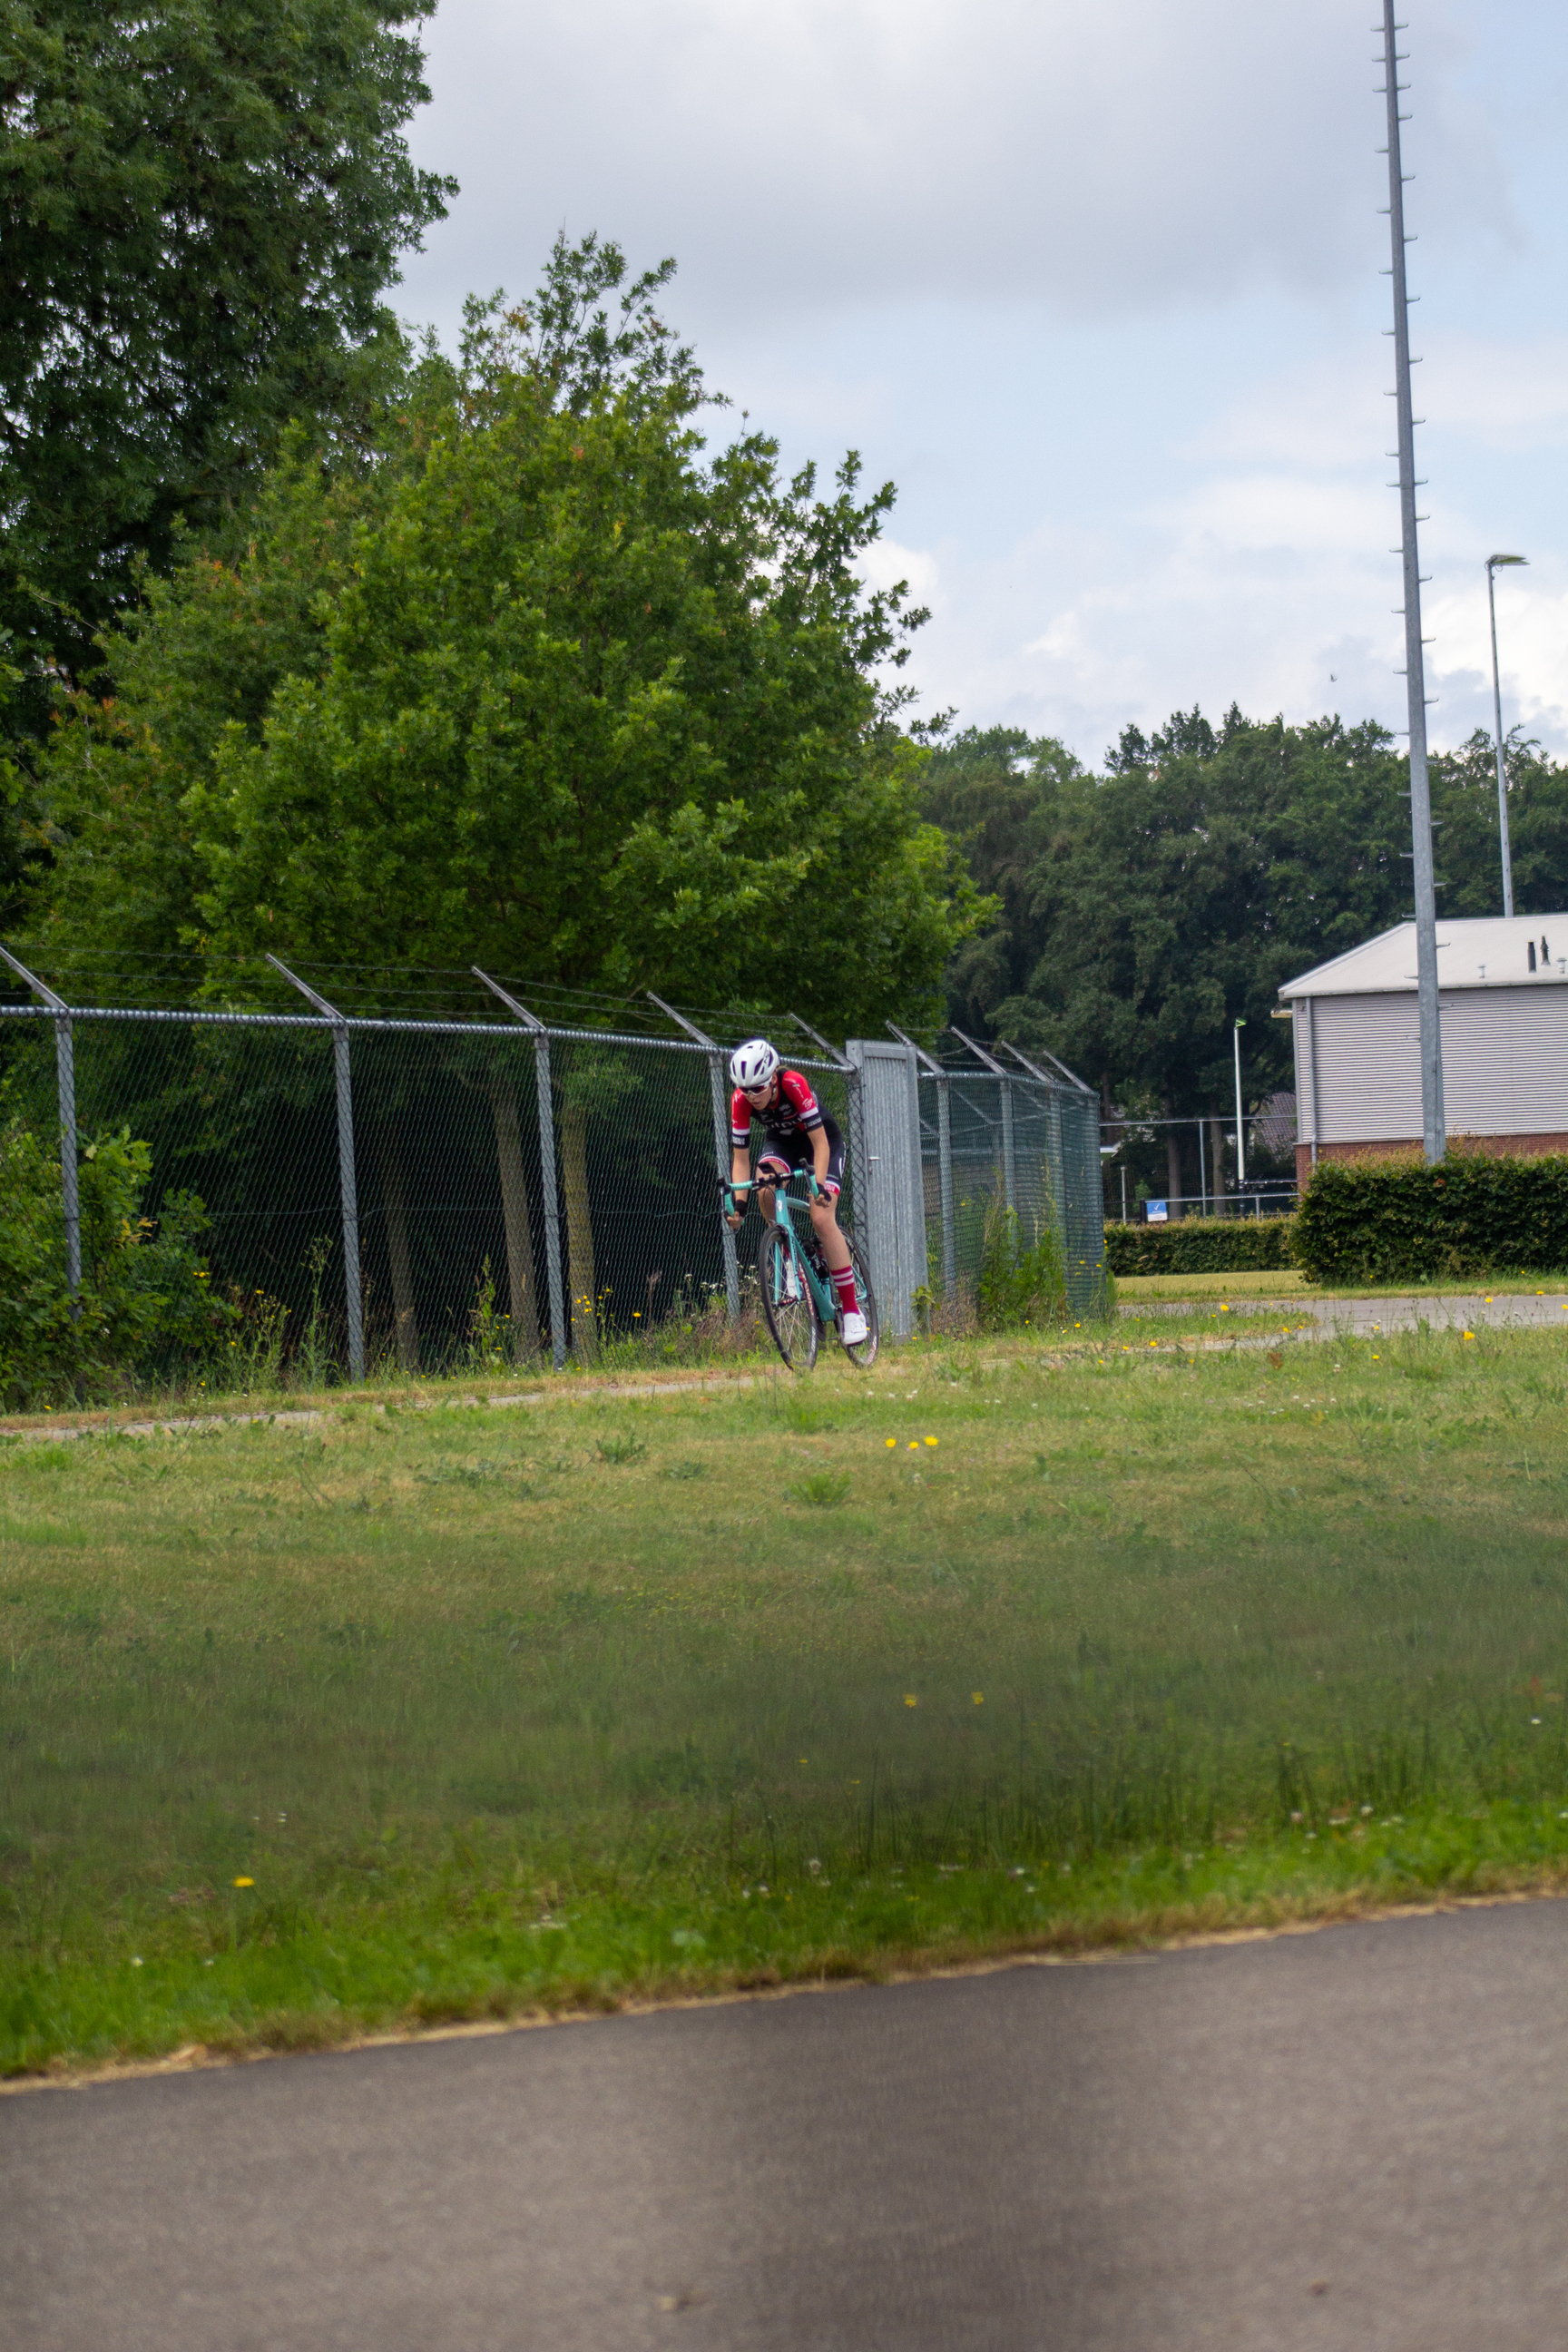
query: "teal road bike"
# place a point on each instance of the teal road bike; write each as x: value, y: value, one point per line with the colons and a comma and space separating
x: 799, y: 1302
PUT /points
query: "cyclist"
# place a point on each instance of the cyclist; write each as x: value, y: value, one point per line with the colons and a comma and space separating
x: 798, y: 1133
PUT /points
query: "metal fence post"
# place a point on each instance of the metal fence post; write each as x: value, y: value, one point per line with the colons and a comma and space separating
x: 721, y: 1146
x: 1009, y: 1154
x: 350, y: 1196
x: 551, y: 1203
x: 944, y: 1172
x: 71, y: 1200
x: 943, y: 1157
x: 65, y: 1077
x: 1009, y: 1158
x: 548, y: 1192
x: 348, y: 1191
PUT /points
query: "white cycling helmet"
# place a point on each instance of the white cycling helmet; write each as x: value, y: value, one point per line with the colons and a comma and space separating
x: 753, y: 1065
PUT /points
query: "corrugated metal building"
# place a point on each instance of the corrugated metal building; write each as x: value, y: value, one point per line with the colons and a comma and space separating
x: 1504, y: 1000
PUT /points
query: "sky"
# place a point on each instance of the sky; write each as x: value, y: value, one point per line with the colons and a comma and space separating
x: 1099, y: 290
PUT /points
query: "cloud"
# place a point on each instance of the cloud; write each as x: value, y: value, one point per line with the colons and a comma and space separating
x: 1096, y: 286
x: 807, y: 153
x: 1269, y: 591
x: 1504, y: 393
x: 885, y: 563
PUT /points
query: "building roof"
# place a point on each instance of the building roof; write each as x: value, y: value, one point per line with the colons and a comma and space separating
x: 1488, y: 952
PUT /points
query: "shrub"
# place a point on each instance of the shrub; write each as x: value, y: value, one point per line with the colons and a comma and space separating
x: 145, y: 1299
x: 1202, y: 1246
x: 1385, y: 1221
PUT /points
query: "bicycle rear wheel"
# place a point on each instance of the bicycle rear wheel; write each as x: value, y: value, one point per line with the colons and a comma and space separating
x: 788, y: 1309
x: 864, y: 1352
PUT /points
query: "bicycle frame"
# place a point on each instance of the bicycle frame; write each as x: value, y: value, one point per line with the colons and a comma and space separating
x: 821, y: 1292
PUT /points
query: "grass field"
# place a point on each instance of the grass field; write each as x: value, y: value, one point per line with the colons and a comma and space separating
x: 427, y: 1714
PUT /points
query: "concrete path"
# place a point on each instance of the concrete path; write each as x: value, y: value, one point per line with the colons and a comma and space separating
x: 1317, y: 1318
x: 1356, y: 2139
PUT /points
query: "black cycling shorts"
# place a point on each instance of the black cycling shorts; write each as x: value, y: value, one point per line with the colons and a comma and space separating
x: 796, y: 1151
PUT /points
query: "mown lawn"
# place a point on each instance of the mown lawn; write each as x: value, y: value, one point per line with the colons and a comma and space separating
x: 430, y: 1713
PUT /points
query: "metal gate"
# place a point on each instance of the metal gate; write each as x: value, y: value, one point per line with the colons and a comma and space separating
x: 889, y: 1196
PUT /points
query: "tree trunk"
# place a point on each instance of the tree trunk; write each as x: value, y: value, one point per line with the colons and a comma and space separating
x: 1174, y: 1186
x: 522, y: 1298
x: 397, y: 1251
x: 579, y: 1231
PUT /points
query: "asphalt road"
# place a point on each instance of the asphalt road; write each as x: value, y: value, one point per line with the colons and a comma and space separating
x: 1357, y: 2138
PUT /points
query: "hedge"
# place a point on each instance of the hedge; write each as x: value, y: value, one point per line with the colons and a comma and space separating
x: 1401, y: 1221
x: 1201, y: 1246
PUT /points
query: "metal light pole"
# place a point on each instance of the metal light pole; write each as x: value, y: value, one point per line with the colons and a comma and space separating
x: 1433, y: 1123
x: 1492, y: 563
x: 1240, y: 1137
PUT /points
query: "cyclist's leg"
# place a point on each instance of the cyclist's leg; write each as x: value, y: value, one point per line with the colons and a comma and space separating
x: 824, y: 1211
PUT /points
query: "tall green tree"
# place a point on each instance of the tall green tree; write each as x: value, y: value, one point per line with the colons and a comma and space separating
x: 201, y: 651
x: 596, y: 711
x: 1469, y: 853
x: 546, y: 688
x: 202, y: 203
x: 999, y: 793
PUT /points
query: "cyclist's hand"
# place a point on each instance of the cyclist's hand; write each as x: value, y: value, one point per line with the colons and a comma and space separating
x: 733, y: 1219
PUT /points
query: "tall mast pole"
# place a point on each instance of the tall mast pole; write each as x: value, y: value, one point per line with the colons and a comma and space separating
x: 1434, y: 1124
x: 1493, y: 562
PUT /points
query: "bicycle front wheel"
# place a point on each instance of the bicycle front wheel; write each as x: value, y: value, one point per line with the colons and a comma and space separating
x: 788, y: 1309
x: 864, y: 1352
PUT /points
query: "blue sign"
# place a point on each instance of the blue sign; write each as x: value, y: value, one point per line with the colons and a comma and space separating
x: 1156, y: 1213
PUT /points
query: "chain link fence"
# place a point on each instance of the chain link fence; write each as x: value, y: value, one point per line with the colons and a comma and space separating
x: 1010, y: 1166
x: 382, y: 1190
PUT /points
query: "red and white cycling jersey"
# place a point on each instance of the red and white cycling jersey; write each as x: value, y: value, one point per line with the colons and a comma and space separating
x: 795, y: 1110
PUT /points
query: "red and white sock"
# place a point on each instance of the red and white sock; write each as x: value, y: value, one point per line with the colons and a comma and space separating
x: 844, y: 1282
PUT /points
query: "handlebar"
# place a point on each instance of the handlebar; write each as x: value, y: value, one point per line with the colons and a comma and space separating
x: 737, y: 1193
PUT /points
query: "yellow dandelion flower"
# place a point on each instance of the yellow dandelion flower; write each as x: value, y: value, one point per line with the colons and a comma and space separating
x: 978, y: 1696
x: 914, y: 1445
x: 244, y: 1882
x: 931, y: 1441
x: 910, y: 1699
x: 892, y: 1441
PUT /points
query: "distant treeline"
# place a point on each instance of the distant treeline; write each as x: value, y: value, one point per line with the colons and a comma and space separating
x: 1144, y: 910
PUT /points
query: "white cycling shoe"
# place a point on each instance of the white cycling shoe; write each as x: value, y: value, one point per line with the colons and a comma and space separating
x: 856, y: 1329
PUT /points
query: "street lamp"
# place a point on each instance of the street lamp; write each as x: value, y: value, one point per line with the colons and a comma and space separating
x: 1492, y: 563
x: 1240, y: 1145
